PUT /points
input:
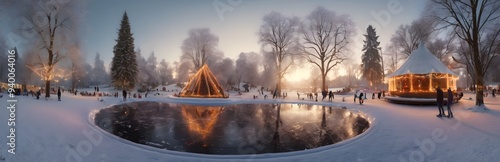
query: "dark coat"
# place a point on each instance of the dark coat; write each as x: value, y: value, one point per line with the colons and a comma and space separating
x: 439, y: 95
x: 450, y: 96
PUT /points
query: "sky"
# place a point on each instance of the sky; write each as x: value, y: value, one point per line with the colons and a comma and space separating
x: 162, y: 25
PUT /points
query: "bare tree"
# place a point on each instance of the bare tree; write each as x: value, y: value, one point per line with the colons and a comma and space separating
x: 200, y: 45
x: 476, y: 23
x: 52, y: 23
x: 268, y: 74
x: 278, y: 33
x: 407, y: 37
x: 77, y: 65
x: 224, y: 72
x: 353, y: 71
x: 183, y: 70
x: 392, y: 57
x: 326, y: 36
x: 247, y: 67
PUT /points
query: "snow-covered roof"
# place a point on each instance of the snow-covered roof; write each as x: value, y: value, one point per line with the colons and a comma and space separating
x: 422, y: 61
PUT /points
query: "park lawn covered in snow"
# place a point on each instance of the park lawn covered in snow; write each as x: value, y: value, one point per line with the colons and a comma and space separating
x: 51, y: 130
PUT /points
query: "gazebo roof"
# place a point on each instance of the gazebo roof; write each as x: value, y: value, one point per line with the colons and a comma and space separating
x: 422, y: 61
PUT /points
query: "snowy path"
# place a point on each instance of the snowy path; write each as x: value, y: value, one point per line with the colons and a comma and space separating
x: 61, y: 131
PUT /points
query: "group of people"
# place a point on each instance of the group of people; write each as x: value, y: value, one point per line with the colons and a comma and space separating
x: 440, y: 102
x: 330, y: 95
x: 362, y: 96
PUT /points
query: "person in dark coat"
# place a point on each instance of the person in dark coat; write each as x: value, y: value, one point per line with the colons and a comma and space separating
x: 38, y: 93
x: 59, y: 93
x: 330, y: 96
x: 361, y: 98
x: 439, y: 100
x: 124, y: 95
x: 379, y: 94
x: 373, y: 95
x: 450, y: 101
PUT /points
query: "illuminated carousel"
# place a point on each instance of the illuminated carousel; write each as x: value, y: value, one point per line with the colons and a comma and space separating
x: 417, y: 79
x: 203, y: 84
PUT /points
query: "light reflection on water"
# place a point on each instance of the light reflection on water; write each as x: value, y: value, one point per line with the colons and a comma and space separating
x: 231, y: 129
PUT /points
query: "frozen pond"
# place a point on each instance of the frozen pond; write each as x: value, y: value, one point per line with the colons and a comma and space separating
x: 231, y: 129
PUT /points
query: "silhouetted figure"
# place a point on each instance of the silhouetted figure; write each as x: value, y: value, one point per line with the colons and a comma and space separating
x: 59, y: 93
x: 323, y: 93
x: 355, y: 96
x: 450, y: 101
x: 373, y: 95
x: 379, y: 94
x: 124, y: 95
x: 361, y: 98
x: 439, y: 100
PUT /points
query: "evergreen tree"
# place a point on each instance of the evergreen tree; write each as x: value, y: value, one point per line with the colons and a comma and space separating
x: 154, y: 75
x: 371, y: 59
x: 99, y: 75
x: 165, y: 73
x: 124, y: 66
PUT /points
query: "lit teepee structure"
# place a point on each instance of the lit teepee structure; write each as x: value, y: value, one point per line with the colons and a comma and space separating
x: 203, y: 84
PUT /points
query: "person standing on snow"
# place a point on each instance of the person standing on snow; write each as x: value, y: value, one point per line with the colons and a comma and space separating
x: 450, y: 101
x: 59, y: 93
x: 124, y: 95
x: 361, y: 98
x: 439, y: 100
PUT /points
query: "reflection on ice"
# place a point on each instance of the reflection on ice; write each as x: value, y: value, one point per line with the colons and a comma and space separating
x: 231, y: 129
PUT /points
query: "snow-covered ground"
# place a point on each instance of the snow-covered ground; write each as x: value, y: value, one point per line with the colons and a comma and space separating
x: 51, y: 130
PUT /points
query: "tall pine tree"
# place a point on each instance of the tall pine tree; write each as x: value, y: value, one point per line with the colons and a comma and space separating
x: 371, y: 59
x: 124, y: 65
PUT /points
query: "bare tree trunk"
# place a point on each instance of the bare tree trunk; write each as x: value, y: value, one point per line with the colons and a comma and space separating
x: 480, y: 89
x: 323, y: 82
